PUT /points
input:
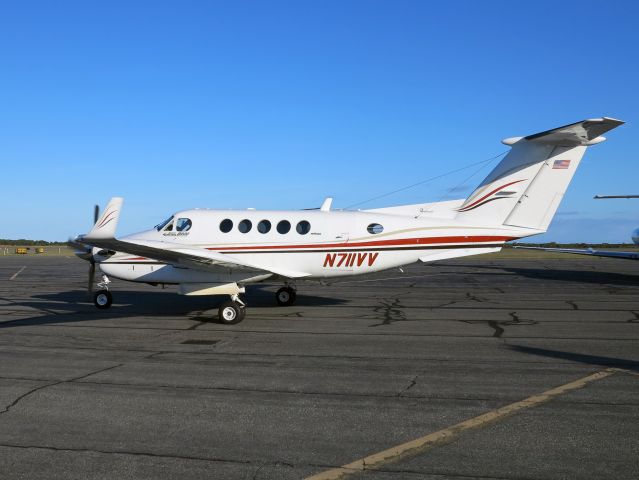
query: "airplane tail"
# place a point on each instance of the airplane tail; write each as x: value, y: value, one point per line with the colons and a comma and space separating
x: 524, y: 190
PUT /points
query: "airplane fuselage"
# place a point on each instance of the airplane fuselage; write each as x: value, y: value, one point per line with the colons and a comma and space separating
x: 323, y: 244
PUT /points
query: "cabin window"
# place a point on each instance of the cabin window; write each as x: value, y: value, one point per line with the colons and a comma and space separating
x: 226, y: 225
x: 375, y: 228
x: 264, y: 226
x: 183, y: 224
x: 160, y: 226
x: 303, y: 227
x: 245, y: 226
x: 284, y: 227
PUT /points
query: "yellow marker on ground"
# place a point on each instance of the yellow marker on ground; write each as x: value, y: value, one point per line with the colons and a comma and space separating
x: 446, y: 435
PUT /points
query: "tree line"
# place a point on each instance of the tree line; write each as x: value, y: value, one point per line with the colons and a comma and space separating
x: 23, y: 242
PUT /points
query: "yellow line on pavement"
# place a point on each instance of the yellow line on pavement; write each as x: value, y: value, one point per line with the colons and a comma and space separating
x: 629, y: 372
x: 446, y: 435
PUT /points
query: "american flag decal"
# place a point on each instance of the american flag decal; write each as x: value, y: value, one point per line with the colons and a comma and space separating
x: 561, y: 164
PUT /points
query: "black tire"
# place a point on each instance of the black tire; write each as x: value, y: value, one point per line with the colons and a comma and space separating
x: 285, y: 296
x: 231, y: 312
x: 102, y: 299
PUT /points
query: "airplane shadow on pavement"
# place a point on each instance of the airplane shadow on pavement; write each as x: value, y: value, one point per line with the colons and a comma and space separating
x: 582, y: 276
x: 75, y: 306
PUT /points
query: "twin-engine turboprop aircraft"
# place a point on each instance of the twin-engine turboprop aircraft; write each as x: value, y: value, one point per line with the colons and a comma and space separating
x: 218, y: 252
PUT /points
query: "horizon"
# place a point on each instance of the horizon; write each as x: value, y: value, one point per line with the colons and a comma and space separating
x: 278, y: 105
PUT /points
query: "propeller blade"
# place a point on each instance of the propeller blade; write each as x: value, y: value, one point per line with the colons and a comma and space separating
x: 96, y: 214
x: 91, y: 277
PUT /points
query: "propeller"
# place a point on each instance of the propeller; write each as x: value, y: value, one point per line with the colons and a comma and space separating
x: 91, y: 277
x: 85, y: 252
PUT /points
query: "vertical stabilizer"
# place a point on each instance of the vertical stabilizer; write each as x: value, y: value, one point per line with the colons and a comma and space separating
x: 525, y: 188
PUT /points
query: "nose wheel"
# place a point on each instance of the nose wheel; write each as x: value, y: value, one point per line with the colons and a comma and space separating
x: 102, y: 299
x: 285, y: 296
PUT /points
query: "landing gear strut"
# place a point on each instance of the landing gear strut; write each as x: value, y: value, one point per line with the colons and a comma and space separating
x: 232, y: 311
x: 285, y: 296
x: 103, y: 299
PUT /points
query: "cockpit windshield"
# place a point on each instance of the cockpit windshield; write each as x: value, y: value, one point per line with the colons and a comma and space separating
x: 160, y: 226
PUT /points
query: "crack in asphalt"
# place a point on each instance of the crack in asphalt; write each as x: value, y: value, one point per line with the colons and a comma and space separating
x: 391, y: 311
x: 498, y: 327
x: 261, y: 464
x: 412, y: 383
x: 156, y: 353
x: 475, y: 298
x: 634, y: 320
x: 498, y: 331
x: 572, y: 304
x: 258, y: 471
x: 51, y: 384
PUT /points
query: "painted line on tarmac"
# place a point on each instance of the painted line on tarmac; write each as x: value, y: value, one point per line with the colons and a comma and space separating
x: 17, y: 273
x: 420, y: 445
x: 629, y: 372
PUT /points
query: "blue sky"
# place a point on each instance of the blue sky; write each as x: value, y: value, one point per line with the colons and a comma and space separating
x: 277, y: 104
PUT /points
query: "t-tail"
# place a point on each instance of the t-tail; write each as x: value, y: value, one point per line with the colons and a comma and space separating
x: 525, y: 189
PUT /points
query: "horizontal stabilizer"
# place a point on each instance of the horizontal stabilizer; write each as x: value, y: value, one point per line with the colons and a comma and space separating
x: 586, y: 132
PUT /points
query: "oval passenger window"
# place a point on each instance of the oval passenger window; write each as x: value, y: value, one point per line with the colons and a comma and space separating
x: 245, y: 226
x: 226, y: 225
x: 284, y: 226
x: 264, y: 226
x: 375, y: 228
x: 303, y: 227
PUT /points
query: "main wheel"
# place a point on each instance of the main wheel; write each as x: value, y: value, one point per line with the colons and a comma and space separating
x: 102, y: 299
x: 231, y: 312
x: 285, y: 296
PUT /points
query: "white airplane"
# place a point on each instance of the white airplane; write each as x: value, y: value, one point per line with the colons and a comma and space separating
x: 591, y: 251
x: 218, y: 252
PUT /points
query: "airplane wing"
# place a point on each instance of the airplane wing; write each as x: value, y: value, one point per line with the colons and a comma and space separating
x: 588, y: 251
x: 102, y: 235
x: 188, y: 256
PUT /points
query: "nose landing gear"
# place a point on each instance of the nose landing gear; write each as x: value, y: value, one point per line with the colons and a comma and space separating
x: 103, y: 299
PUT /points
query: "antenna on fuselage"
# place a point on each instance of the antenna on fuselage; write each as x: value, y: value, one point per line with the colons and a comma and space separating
x: 326, y: 205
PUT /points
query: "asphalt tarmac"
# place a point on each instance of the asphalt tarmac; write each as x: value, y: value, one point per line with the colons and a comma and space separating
x: 503, y: 367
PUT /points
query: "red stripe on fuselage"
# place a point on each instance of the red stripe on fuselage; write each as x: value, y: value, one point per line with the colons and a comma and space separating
x: 377, y: 243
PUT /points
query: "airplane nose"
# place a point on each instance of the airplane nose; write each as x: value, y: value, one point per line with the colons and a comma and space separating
x: 635, y: 236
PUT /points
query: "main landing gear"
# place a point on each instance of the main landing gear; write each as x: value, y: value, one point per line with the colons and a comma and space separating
x: 232, y: 311
x: 286, y: 296
x: 103, y: 299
